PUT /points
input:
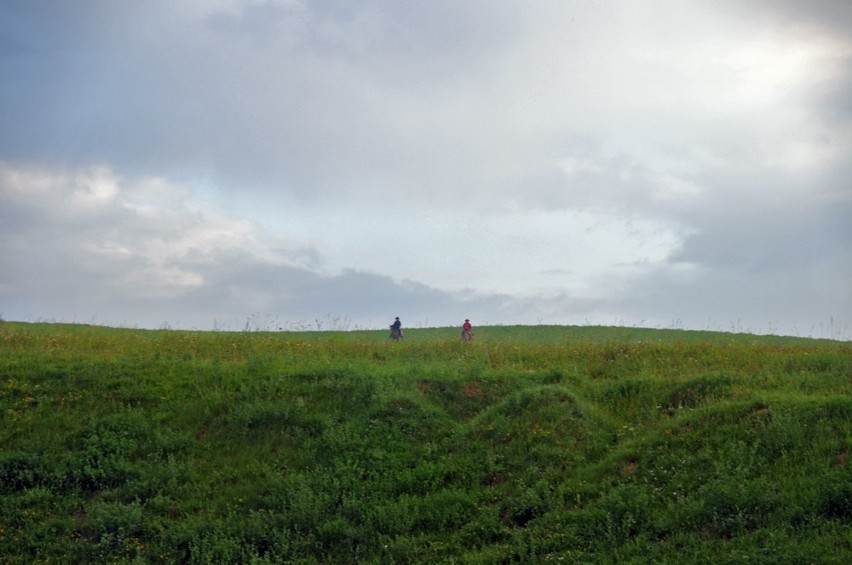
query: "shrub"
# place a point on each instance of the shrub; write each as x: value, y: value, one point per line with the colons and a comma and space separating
x: 109, y: 451
x: 836, y: 499
x: 735, y: 507
x: 20, y: 471
x: 114, y: 530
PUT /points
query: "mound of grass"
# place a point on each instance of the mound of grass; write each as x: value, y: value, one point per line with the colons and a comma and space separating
x: 531, y: 444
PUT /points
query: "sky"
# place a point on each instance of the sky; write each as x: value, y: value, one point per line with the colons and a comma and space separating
x: 330, y: 164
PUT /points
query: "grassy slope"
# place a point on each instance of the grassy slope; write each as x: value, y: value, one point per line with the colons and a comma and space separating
x: 534, y: 443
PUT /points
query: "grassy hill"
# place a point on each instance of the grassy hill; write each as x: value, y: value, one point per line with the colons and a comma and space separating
x: 532, y: 444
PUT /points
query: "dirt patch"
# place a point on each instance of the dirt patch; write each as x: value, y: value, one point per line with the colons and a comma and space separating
x: 494, y: 479
x: 434, y: 387
x: 473, y: 391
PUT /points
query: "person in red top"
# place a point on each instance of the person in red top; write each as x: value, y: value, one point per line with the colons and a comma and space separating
x: 466, y: 333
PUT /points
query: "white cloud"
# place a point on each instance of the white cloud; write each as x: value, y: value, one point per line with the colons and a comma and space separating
x: 144, y: 234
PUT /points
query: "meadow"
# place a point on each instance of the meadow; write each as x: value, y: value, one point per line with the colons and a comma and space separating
x: 531, y: 444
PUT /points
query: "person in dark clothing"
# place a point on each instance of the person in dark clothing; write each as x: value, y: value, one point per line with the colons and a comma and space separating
x: 396, y: 330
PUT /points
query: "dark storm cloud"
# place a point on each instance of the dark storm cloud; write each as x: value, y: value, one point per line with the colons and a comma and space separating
x: 257, y: 96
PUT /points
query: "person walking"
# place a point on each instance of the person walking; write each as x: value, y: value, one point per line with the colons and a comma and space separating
x: 396, y: 330
x: 466, y: 333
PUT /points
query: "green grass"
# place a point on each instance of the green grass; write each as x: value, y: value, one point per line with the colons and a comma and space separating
x: 532, y: 444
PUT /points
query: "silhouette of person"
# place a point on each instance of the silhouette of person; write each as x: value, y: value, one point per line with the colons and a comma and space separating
x: 396, y: 330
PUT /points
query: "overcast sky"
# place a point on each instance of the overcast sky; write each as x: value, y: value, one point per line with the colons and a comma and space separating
x: 217, y: 164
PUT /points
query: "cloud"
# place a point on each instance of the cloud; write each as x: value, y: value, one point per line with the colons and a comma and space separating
x: 91, y: 245
x: 89, y: 241
x: 443, y: 106
x: 536, y: 161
